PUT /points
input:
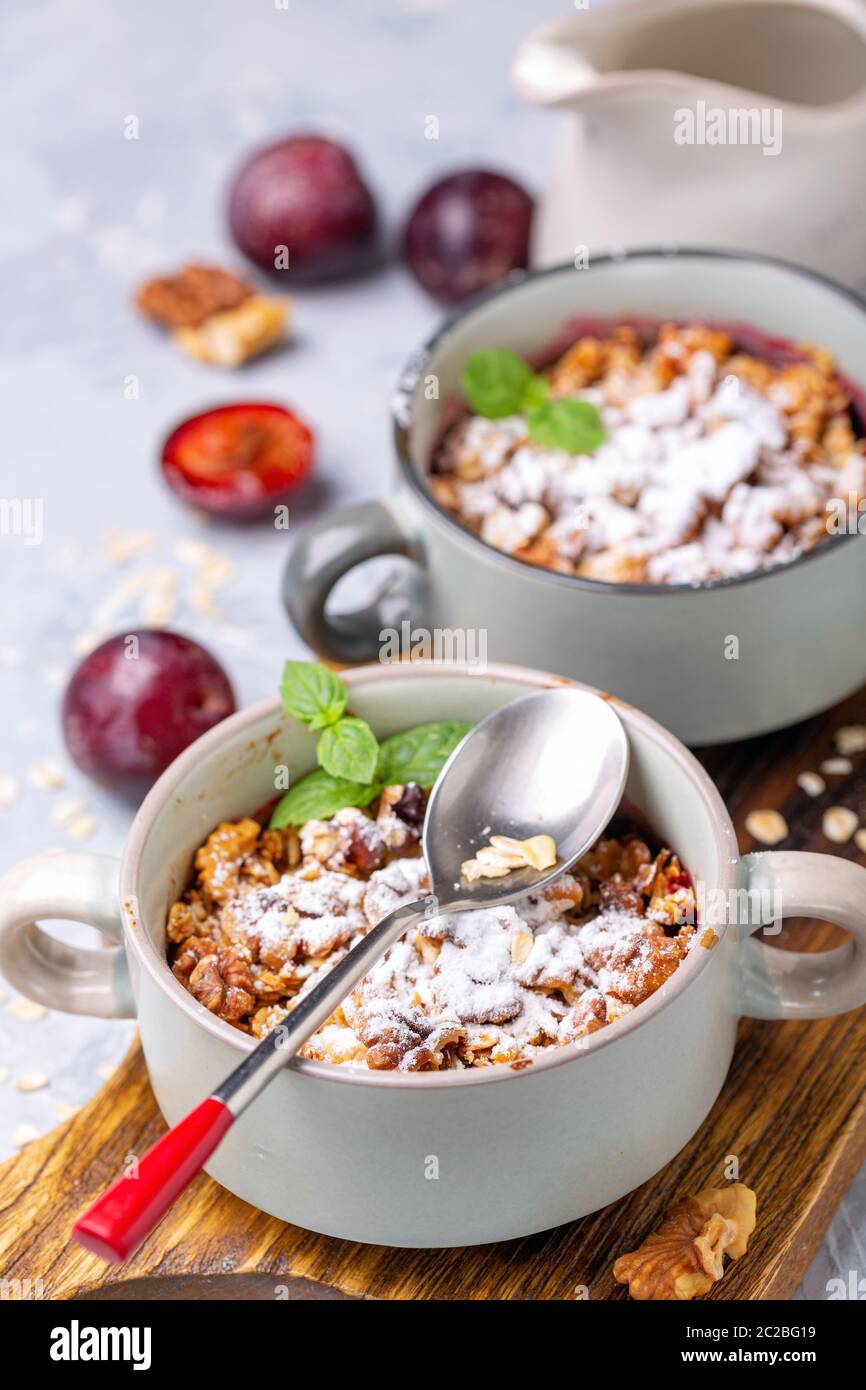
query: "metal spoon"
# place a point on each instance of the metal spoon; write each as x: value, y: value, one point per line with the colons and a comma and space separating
x: 551, y: 763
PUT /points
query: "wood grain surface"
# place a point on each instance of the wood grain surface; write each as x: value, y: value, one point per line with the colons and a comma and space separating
x: 793, y: 1112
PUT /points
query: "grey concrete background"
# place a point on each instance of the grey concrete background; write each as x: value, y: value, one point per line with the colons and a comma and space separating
x: 87, y: 215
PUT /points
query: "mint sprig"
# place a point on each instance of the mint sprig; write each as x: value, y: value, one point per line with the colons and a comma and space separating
x: 312, y: 693
x: 570, y: 425
x: 354, y: 766
x: 496, y: 383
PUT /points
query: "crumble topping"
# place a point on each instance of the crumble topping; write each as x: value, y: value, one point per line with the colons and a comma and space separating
x: 716, y: 462
x: 271, y: 911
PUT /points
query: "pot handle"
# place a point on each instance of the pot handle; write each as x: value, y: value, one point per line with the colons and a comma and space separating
x: 802, y: 984
x: 73, y: 979
x: 324, y: 551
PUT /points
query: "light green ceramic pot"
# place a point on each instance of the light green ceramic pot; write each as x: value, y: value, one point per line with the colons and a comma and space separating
x: 347, y: 1151
x: 716, y: 661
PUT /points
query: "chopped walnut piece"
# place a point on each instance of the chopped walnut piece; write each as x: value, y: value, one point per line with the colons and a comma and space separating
x: 185, y: 300
x: 641, y: 965
x: 223, y: 983
x: 193, y: 950
x: 221, y: 857
x: 213, y: 315
x: 685, y: 1256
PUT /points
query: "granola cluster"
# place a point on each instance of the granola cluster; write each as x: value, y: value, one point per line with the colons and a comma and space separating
x: 716, y: 462
x: 271, y: 911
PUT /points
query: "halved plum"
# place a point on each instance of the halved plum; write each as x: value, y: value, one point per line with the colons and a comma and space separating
x: 238, y: 461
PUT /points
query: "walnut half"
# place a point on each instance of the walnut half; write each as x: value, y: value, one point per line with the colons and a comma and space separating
x: 685, y: 1256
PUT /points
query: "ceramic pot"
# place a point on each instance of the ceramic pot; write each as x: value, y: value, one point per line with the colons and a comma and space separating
x: 347, y: 1151
x: 714, y: 661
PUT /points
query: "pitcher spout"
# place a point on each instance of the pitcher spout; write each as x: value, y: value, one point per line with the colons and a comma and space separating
x: 719, y: 49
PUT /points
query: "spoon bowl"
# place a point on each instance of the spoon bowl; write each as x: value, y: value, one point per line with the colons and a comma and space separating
x: 551, y: 763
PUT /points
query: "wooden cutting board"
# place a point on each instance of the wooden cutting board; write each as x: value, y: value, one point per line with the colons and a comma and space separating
x: 793, y: 1111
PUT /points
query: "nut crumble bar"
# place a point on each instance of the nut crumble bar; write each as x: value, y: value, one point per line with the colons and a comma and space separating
x: 270, y: 911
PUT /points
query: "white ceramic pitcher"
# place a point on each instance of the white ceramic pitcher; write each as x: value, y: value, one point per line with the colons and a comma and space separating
x: 654, y: 88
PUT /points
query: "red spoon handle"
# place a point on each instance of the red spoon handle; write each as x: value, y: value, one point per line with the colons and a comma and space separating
x: 119, y: 1220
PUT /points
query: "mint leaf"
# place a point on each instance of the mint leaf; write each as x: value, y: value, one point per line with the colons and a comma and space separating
x: 317, y: 797
x: 419, y: 754
x: 312, y: 693
x: 535, y: 394
x: 573, y: 426
x: 494, y: 382
x: 349, y: 749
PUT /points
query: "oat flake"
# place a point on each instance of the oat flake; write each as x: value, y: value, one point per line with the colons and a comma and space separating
x: 839, y: 824
x: 837, y: 767
x: 27, y: 1011
x: 24, y: 1134
x: 851, y: 738
x: 81, y: 827
x: 31, y: 1081
x: 768, y: 827
x: 811, y: 783
x: 8, y: 791
x: 45, y: 774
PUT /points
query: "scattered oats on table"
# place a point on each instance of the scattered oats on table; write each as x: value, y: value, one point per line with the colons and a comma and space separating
x: 766, y: 826
x: 839, y: 824
x: 63, y: 812
x: 45, y: 774
x: 24, y: 1134
x: 811, y: 783
x: 81, y: 827
x: 851, y: 738
x: 31, y: 1081
x: 8, y: 791
x: 27, y: 1011
x: 837, y: 767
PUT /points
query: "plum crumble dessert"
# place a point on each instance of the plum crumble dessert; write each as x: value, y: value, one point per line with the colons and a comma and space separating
x: 674, y: 460
x: 271, y: 910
